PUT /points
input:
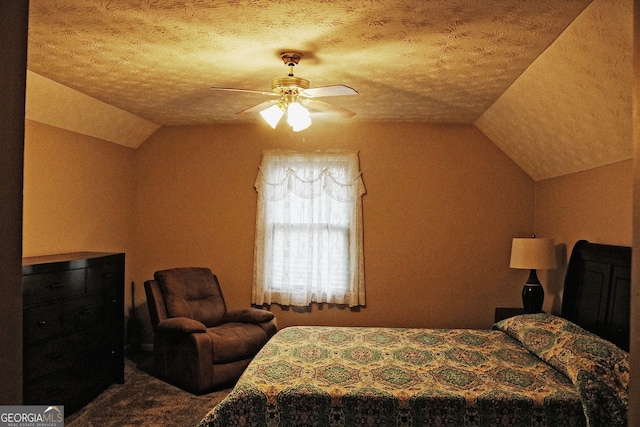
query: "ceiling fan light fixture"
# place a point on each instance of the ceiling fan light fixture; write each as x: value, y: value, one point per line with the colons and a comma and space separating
x: 292, y: 93
x: 298, y: 116
x: 272, y: 115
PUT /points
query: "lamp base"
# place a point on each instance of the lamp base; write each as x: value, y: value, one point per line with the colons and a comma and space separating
x: 532, y: 298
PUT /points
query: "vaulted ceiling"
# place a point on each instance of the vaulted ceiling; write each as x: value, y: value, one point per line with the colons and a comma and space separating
x: 549, y: 82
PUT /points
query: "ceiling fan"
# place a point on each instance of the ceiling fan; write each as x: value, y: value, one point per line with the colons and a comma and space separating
x: 292, y: 95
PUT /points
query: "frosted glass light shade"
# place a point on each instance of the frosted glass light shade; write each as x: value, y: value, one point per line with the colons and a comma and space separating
x: 298, y: 117
x: 272, y: 115
x: 533, y: 253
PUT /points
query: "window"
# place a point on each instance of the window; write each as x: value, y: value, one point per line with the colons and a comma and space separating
x: 309, y: 229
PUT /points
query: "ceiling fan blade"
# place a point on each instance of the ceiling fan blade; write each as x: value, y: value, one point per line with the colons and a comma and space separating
x: 259, y: 107
x: 325, y: 107
x: 335, y: 90
x: 231, y: 89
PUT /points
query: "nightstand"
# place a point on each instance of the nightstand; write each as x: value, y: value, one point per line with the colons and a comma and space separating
x: 505, y: 312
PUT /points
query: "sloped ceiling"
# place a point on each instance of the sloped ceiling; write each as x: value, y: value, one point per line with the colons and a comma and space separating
x: 488, y: 62
x: 58, y: 105
x: 571, y: 109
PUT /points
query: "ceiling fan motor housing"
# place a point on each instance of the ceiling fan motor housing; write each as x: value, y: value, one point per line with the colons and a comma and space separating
x: 288, y: 85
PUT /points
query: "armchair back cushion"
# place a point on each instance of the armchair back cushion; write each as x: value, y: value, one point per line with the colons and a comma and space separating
x: 193, y: 293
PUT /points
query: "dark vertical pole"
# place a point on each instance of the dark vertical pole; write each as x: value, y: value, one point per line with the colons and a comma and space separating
x: 14, y: 16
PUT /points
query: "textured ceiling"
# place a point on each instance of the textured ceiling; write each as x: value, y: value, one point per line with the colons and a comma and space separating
x: 571, y: 110
x: 438, y: 61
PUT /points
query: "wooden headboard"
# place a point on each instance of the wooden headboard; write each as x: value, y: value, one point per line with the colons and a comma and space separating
x: 597, y: 290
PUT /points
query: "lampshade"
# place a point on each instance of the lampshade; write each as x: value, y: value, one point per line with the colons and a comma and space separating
x: 272, y: 115
x: 533, y: 253
x: 298, y: 116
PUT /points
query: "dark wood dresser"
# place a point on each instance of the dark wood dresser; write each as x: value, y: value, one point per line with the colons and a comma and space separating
x: 73, y: 327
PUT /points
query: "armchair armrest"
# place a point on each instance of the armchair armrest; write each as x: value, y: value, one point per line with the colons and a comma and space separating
x: 180, y: 325
x: 248, y: 315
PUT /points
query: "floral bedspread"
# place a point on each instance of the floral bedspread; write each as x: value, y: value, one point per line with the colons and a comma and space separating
x: 340, y: 376
x: 598, y: 369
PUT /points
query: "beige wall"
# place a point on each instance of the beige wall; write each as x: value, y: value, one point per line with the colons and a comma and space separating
x: 437, y: 197
x: 441, y: 207
x: 595, y: 205
x: 78, y: 193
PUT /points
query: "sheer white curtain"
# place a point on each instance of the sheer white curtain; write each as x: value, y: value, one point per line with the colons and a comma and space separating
x: 309, y: 229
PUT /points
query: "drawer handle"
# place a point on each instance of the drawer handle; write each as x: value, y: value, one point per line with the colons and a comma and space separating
x: 42, y: 323
x: 56, y: 286
x: 107, y: 275
x: 89, y: 310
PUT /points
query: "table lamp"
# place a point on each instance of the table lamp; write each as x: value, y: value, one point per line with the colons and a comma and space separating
x: 533, y: 253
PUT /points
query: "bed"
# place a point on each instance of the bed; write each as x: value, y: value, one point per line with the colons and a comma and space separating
x: 528, y: 370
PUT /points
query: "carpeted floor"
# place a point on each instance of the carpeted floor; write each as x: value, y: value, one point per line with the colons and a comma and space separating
x: 144, y: 400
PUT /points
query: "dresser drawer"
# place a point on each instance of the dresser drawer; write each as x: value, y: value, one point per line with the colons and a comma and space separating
x: 42, y: 322
x: 107, y: 276
x: 62, y: 386
x: 84, y: 312
x: 55, y: 355
x: 49, y: 287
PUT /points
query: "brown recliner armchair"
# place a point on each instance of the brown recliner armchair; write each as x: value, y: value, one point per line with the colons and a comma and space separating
x: 199, y: 345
